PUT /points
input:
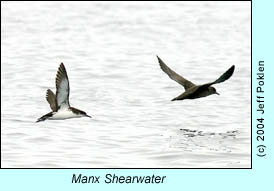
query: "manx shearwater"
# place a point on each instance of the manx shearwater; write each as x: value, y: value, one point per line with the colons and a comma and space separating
x: 59, y: 104
x: 193, y: 91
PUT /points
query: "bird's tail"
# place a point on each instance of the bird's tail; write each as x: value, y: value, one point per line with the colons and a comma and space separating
x: 44, y: 117
x: 41, y: 119
x: 174, y: 99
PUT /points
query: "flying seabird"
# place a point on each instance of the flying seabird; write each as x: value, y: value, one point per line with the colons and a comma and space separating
x: 59, y: 104
x: 193, y: 91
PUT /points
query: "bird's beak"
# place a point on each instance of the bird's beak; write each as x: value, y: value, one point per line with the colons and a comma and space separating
x: 88, y: 116
x: 217, y: 93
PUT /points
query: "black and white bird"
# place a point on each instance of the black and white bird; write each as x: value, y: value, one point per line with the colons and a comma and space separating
x: 59, y: 103
x: 193, y: 91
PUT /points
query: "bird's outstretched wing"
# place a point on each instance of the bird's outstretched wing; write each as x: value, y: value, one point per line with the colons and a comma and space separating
x: 62, y: 88
x: 51, y: 99
x: 225, y: 76
x: 174, y: 76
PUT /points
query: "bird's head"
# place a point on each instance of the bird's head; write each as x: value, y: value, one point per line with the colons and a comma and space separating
x: 84, y: 114
x: 212, y: 90
x: 79, y: 112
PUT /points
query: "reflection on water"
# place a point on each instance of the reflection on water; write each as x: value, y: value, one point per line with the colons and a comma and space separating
x: 194, y: 133
x: 109, y: 50
x: 210, y: 140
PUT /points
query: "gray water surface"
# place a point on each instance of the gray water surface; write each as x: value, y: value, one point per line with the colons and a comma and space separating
x: 109, y: 50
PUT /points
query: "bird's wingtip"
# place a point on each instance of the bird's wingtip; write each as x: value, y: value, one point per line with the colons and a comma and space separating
x: 62, y: 65
x: 232, y: 68
x: 158, y: 58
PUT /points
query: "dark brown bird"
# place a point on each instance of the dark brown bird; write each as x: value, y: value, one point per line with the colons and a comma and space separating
x: 193, y: 91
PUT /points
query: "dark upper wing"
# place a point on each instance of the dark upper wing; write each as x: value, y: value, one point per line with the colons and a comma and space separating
x: 174, y: 76
x: 225, y: 76
x: 62, y: 87
x: 51, y: 99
